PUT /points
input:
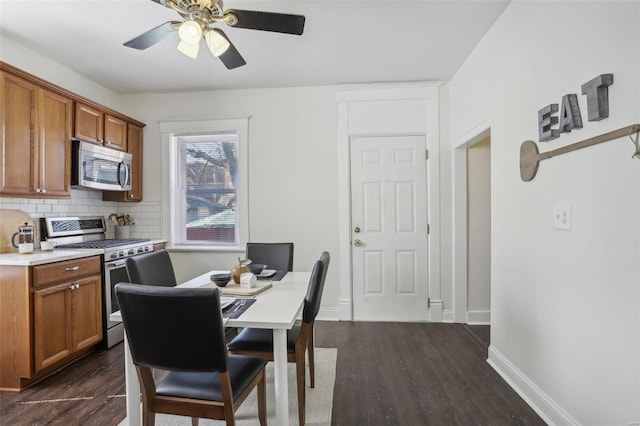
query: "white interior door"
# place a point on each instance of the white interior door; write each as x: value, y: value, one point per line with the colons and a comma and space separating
x: 389, y: 228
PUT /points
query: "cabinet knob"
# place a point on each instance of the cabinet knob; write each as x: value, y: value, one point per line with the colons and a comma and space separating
x: 44, y: 190
x: 37, y: 189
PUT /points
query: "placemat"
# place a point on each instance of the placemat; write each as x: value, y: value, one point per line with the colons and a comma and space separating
x: 236, y: 309
x: 275, y: 277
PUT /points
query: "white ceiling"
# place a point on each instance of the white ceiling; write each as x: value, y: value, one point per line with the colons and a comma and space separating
x: 344, y: 42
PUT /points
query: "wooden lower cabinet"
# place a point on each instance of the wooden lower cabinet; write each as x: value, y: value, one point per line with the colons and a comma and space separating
x: 51, y: 316
x: 66, y: 319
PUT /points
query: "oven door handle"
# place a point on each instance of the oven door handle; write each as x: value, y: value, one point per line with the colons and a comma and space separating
x: 115, y: 264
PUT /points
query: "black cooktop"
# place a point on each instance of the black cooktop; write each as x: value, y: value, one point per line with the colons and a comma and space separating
x: 99, y: 244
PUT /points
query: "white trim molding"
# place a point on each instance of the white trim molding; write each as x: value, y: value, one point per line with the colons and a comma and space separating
x: 348, y: 99
x: 549, y: 410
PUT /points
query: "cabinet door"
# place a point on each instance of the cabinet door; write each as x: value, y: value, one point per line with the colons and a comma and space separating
x: 89, y: 123
x: 115, y: 132
x: 86, y: 312
x: 134, y: 140
x: 55, y: 114
x: 18, y: 150
x: 134, y: 147
x: 53, y: 339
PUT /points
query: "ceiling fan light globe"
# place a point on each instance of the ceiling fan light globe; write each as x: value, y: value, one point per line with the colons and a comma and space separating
x: 190, y: 50
x: 190, y: 32
x: 216, y: 42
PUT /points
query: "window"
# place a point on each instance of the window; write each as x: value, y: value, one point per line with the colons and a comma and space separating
x: 208, y: 196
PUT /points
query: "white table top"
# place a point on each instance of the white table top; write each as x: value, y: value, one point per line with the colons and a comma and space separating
x: 273, y: 308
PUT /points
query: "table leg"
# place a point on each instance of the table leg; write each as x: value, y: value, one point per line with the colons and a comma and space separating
x: 280, y: 373
x: 132, y: 387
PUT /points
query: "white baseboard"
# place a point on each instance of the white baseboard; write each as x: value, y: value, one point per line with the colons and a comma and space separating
x: 479, y: 317
x: 328, y: 315
x: 435, y: 310
x: 448, y: 316
x: 549, y: 410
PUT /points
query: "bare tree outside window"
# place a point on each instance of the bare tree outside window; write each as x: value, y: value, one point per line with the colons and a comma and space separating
x: 209, y: 181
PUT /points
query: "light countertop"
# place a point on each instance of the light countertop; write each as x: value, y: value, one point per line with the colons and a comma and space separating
x: 39, y: 257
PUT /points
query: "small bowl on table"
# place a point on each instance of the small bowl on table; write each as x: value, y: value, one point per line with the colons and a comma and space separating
x: 256, y: 268
x: 221, y: 280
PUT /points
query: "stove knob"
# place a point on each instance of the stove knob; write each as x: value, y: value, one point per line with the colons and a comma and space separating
x: 147, y: 248
x: 130, y: 252
x: 121, y: 254
x: 140, y: 250
x: 114, y: 255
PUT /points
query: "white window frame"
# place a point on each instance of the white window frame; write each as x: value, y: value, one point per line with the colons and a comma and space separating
x: 169, y: 131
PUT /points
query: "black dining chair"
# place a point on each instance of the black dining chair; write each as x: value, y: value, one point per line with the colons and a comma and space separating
x: 180, y: 330
x: 300, y: 339
x: 154, y: 267
x: 278, y: 256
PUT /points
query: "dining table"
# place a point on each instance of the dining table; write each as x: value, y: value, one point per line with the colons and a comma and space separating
x: 277, y: 308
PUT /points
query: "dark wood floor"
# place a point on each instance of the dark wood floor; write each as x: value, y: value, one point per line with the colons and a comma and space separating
x: 387, y: 374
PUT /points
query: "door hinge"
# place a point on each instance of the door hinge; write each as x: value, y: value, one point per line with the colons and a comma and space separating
x: 428, y: 229
x: 428, y: 302
x: 426, y: 151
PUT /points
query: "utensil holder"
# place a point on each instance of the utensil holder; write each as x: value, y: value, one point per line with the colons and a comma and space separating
x: 122, y: 232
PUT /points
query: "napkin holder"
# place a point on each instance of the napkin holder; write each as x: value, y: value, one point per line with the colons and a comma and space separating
x: 248, y: 280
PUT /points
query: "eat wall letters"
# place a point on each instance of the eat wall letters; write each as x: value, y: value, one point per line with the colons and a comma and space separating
x: 597, y: 93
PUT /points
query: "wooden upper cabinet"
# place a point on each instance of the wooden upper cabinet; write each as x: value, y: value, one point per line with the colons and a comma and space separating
x: 36, y: 130
x: 115, y: 132
x: 99, y: 127
x: 54, y: 146
x: 134, y: 144
x: 89, y: 123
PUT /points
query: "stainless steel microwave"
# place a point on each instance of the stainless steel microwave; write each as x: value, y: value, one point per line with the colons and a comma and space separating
x: 98, y: 167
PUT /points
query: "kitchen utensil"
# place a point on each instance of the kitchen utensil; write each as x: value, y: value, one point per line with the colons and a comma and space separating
x: 24, y: 234
x: 114, y: 218
x: 10, y: 221
x: 530, y: 157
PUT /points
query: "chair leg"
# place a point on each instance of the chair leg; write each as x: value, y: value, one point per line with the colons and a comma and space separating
x: 148, y: 417
x: 262, y: 400
x: 300, y: 376
x: 194, y: 421
x: 312, y: 365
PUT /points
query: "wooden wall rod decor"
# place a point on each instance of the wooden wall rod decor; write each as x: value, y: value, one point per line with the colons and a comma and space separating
x: 530, y: 157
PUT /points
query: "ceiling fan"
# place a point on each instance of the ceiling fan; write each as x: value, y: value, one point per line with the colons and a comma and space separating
x: 200, y: 17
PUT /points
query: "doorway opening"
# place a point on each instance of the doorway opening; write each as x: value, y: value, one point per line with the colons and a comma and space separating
x: 472, y: 230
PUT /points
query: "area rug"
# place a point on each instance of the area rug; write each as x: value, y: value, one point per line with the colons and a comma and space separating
x: 319, y: 402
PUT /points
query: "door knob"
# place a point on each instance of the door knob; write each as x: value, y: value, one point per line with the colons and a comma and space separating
x: 357, y: 229
x: 357, y: 243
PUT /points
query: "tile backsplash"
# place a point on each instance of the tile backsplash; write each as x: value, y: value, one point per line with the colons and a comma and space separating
x: 146, y: 214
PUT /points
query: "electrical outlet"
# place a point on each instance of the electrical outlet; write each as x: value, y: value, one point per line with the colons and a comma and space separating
x: 562, y: 217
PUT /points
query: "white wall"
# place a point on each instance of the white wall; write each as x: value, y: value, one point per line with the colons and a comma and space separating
x: 34, y: 63
x: 565, y: 304
x: 292, y: 169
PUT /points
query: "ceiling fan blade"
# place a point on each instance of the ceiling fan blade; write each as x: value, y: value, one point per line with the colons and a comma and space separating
x: 231, y: 58
x: 152, y: 36
x: 268, y: 21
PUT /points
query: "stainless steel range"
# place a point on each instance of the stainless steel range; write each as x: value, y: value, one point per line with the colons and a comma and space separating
x: 90, y: 233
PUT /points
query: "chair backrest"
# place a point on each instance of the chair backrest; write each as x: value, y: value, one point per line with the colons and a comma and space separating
x: 278, y: 256
x: 314, y: 293
x: 325, y: 258
x: 173, y: 328
x: 152, y: 268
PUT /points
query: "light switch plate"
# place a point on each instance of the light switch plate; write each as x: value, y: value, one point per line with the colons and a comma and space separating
x: 562, y: 216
